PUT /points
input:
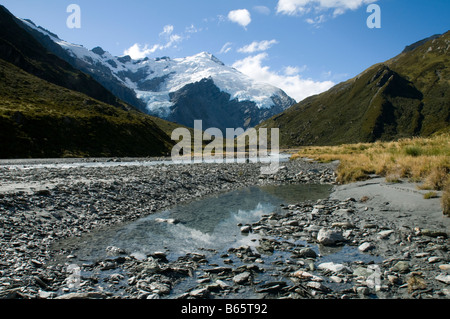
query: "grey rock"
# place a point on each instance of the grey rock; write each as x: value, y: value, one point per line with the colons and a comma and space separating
x: 365, y: 247
x: 443, y: 278
x: 306, y: 253
x: 401, y: 267
x: 385, y: 234
x: 317, y: 286
x: 329, y: 237
x: 199, y: 293
x: 335, y: 267
x: 246, y: 229
x: 242, y: 278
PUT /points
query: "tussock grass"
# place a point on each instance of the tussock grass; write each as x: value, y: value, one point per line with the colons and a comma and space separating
x: 446, y: 198
x: 425, y: 161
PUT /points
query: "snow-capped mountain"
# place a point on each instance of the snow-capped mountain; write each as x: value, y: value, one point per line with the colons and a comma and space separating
x: 179, y: 90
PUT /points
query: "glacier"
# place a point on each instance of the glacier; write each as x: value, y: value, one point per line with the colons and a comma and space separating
x: 170, y: 74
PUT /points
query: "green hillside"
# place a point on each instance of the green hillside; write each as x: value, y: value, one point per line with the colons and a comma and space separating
x: 406, y: 96
x: 50, y: 109
x: 40, y: 119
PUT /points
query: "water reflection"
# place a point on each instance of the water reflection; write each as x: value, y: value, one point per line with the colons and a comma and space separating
x: 210, y: 223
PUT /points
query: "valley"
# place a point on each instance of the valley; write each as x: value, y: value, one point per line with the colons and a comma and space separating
x: 93, y: 206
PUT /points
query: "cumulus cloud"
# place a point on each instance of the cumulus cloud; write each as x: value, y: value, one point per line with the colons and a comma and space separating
x: 241, y: 17
x: 299, y: 7
x: 257, y: 46
x: 291, y: 81
x: 140, y: 51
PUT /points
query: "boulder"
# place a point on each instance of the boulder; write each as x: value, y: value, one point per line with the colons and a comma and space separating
x: 329, y: 237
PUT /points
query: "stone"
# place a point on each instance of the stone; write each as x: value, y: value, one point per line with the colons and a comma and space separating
x: 364, y: 291
x: 241, y: 278
x: 306, y: 275
x: 222, y: 284
x: 421, y: 255
x: 160, y: 255
x: 306, y: 253
x: 393, y: 279
x: 401, y: 267
x: 345, y: 225
x: 46, y: 294
x: 115, y: 251
x: 433, y: 233
x: 199, y: 293
x: 445, y: 267
x: 336, y: 279
x: 385, y: 234
x: 171, y: 221
x: 434, y: 259
x: 149, y: 267
x: 328, y: 237
x: 443, y: 278
x: 159, y: 288
x: 334, y: 267
x: 362, y: 272
x: 317, y: 286
x: 246, y: 229
x: 365, y: 247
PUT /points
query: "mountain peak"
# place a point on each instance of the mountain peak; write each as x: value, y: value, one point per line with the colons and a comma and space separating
x: 98, y: 50
x: 208, y: 56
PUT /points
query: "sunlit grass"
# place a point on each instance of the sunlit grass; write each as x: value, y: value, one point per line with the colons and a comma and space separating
x: 425, y: 161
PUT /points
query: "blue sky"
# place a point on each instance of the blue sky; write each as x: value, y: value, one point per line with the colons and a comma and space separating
x: 302, y: 46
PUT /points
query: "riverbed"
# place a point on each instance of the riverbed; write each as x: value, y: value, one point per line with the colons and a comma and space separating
x: 122, y: 229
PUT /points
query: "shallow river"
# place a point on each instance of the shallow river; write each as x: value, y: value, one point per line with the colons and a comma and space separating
x: 210, y: 227
x: 207, y: 224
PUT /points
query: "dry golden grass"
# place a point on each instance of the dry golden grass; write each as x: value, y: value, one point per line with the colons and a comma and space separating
x: 446, y: 198
x: 425, y: 161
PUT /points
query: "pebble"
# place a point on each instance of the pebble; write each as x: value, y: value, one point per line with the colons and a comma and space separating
x: 443, y: 278
x: 365, y: 247
x: 334, y: 267
x: 401, y: 267
x: 241, y: 278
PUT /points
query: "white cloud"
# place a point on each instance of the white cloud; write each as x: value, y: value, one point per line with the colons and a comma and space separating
x: 294, y: 70
x: 291, y: 82
x: 241, y: 17
x: 192, y: 29
x: 138, y: 52
x: 262, y: 9
x: 317, y: 20
x: 226, y: 48
x: 298, y: 7
x: 257, y: 46
x: 167, y: 30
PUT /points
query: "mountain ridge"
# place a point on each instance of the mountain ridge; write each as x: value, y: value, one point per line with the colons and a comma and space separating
x: 50, y: 109
x: 406, y: 96
x: 152, y: 84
